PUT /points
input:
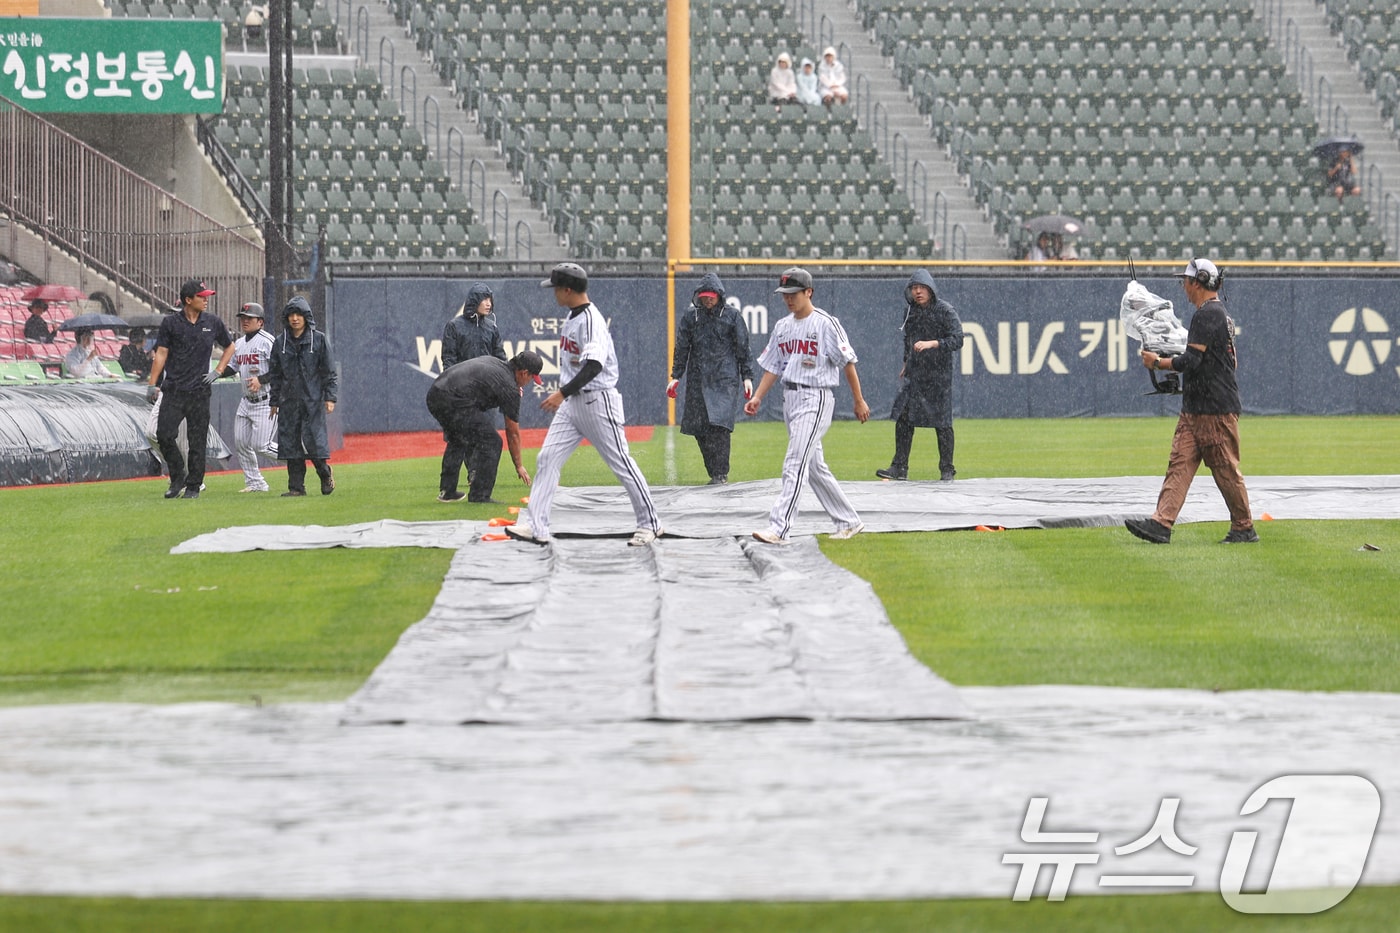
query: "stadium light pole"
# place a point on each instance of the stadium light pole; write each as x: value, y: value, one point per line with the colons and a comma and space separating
x: 279, y: 152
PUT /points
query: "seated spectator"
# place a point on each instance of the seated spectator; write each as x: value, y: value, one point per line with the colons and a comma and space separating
x: 1064, y: 249
x: 81, y: 361
x: 35, y: 327
x: 1341, y: 177
x: 135, y: 359
x: 1043, y: 250
x: 831, y: 75
x: 807, y: 84
x: 782, y: 81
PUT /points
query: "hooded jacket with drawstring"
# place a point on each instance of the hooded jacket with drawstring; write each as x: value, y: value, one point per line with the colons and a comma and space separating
x: 469, y: 335
x: 712, y: 352
x: 301, y: 378
x: 926, y: 396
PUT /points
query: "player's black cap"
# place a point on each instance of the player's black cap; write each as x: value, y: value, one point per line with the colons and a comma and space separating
x: 568, y: 275
x: 252, y: 309
x: 194, y: 288
x: 793, y: 281
x: 531, y: 362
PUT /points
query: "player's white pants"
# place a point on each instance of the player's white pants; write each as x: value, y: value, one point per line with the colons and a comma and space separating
x: 808, y: 415
x: 597, y: 417
x: 254, y: 432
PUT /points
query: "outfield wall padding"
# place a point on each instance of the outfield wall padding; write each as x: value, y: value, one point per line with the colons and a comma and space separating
x: 1037, y: 346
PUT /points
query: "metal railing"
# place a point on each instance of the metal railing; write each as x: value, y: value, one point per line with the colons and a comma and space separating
x: 111, y: 220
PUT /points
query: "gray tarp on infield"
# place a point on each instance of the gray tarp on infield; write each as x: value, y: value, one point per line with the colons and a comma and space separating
x: 740, y: 508
x: 594, y: 631
x: 216, y: 800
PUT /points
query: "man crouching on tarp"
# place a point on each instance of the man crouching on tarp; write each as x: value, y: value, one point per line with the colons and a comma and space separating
x: 1209, y: 427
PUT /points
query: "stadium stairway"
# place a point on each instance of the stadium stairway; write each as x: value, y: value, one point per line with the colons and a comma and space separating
x: 868, y: 70
x: 383, y: 30
x: 1327, y: 59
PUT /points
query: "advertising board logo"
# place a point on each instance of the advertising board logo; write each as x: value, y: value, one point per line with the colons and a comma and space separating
x: 1361, y: 342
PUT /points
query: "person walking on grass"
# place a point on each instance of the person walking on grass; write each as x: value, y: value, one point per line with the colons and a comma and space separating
x: 303, y: 383
x: 808, y: 351
x: 933, y: 336
x: 180, y: 380
x: 712, y: 354
x: 1209, y: 426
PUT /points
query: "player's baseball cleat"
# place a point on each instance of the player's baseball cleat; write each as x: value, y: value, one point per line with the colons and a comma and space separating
x: 643, y: 536
x: 451, y: 496
x: 769, y: 537
x: 892, y: 473
x: 1149, y: 530
x: 526, y: 533
x: 190, y: 494
x: 255, y: 489
x: 290, y: 493
x: 850, y: 531
x: 1248, y: 536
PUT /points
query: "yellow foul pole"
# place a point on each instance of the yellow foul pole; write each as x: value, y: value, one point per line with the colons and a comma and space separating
x: 677, y: 164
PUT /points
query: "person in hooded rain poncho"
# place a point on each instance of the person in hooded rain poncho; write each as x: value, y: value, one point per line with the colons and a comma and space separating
x: 807, y: 92
x: 712, y: 353
x: 782, y: 81
x: 933, y: 337
x: 831, y: 75
x: 302, y: 380
x: 473, y: 332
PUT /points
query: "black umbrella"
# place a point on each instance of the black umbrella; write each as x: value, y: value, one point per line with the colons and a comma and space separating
x: 145, y: 319
x: 1054, y: 223
x: 1329, y: 147
x: 94, y: 322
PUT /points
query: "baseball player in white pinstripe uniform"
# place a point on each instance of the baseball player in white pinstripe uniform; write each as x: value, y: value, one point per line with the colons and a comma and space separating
x: 255, y: 426
x: 807, y: 351
x: 588, y: 406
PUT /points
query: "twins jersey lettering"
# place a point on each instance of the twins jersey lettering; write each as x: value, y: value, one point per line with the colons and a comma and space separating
x: 254, y: 426
x: 583, y: 337
x: 809, y: 352
x: 250, y: 356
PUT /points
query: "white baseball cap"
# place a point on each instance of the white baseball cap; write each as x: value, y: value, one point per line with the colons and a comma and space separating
x: 1196, y: 266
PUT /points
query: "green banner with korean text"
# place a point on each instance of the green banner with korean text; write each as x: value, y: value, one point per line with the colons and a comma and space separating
x: 59, y: 65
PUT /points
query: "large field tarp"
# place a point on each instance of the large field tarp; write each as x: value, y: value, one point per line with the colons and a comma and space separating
x: 78, y: 433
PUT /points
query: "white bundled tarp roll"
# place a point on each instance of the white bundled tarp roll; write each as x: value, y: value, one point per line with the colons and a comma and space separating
x: 1151, y: 320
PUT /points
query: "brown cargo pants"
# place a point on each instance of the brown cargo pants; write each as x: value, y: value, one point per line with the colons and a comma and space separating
x: 1214, y: 439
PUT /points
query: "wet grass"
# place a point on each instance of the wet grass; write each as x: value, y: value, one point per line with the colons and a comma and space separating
x: 1365, y: 911
x: 97, y: 609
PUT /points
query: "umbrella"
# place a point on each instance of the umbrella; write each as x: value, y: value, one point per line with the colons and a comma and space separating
x: 1329, y: 147
x: 94, y: 322
x: 1054, y: 223
x: 52, y: 293
x: 146, y: 319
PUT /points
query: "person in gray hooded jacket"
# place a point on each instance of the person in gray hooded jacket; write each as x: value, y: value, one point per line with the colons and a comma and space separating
x: 302, y: 381
x: 933, y: 337
x: 712, y: 351
x: 473, y: 331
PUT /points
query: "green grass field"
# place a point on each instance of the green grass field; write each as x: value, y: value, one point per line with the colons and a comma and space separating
x: 96, y: 609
